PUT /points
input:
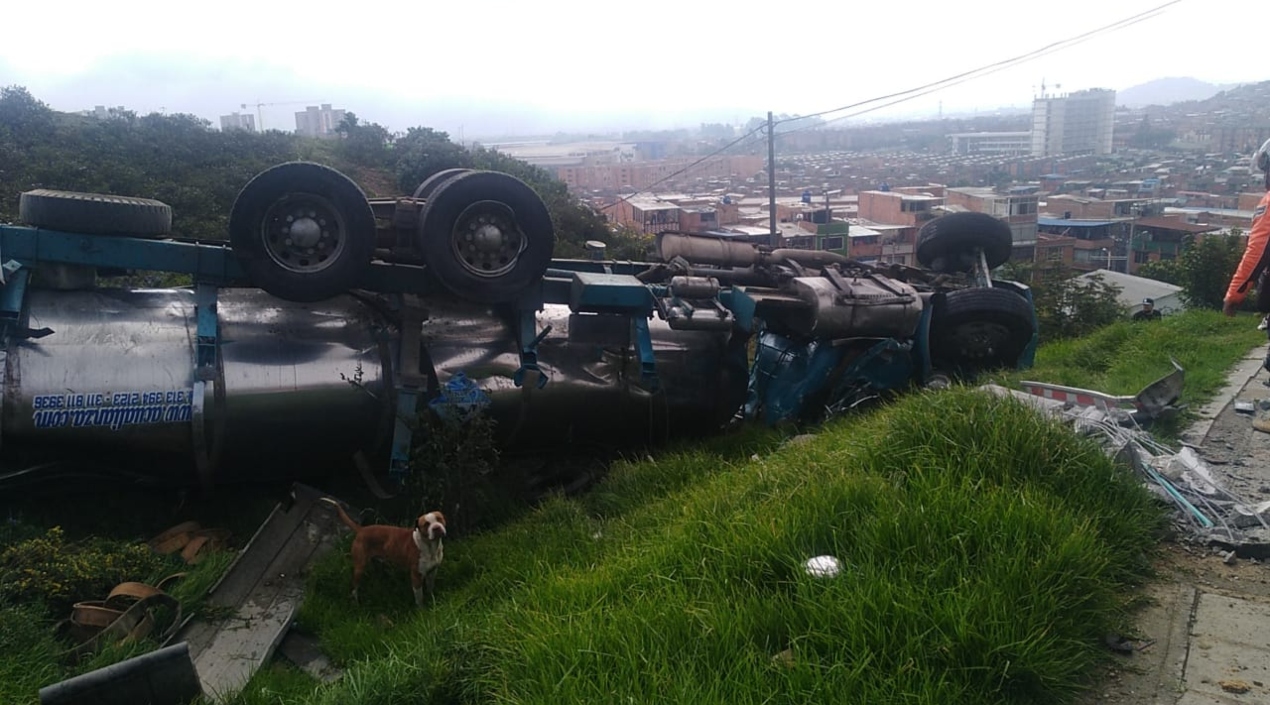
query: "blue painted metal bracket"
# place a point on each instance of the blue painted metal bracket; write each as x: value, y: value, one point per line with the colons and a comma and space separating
x: 208, y: 381
x: 647, y: 362
x: 14, y: 280
x: 208, y: 262
x: 408, y: 383
x: 529, y: 337
x: 11, y: 297
x: 407, y: 408
x: 205, y: 298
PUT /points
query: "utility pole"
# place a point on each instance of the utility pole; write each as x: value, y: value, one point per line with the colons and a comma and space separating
x: 774, y: 236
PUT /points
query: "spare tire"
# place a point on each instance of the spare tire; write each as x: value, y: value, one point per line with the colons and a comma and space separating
x: 94, y: 213
x: 947, y: 243
x: 486, y: 236
x: 430, y: 184
x: 981, y: 328
x: 302, y: 231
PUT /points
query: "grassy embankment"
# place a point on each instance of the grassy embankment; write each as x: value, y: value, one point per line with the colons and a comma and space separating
x: 986, y: 553
x: 1125, y: 357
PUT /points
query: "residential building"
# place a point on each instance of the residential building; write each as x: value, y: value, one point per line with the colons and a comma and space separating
x: 315, y: 121
x: 101, y: 112
x: 909, y: 206
x: 238, y: 122
x: 1005, y: 143
x: 1085, y: 207
x: 1018, y: 208
x: 1080, y: 244
x: 1075, y: 123
x: 1160, y: 238
x: 882, y: 243
x: 647, y: 215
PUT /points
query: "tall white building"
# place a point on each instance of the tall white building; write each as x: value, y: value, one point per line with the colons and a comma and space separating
x: 238, y: 122
x: 318, y: 122
x: 1076, y: 123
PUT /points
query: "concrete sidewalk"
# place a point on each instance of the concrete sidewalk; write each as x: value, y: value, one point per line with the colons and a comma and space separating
x: 1210, y: 638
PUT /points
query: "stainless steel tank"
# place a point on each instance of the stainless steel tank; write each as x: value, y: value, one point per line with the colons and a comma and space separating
x: 116, y: 377
x: 597, y: 391
x: 303, y: 386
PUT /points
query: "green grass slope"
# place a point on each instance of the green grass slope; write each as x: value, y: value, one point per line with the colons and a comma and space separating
x: 985, y: 553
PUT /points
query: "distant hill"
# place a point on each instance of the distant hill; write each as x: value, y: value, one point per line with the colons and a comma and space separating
x: 1165, y: 91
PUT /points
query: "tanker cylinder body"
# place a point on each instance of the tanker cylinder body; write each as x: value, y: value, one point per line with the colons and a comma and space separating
x: 295, y: 385
x: 300, y: 388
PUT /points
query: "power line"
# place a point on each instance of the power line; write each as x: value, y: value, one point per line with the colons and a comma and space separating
x: 916, y: 92
x: 993, y: 67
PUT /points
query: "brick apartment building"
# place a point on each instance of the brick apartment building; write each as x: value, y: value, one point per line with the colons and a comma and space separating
x: 1018, y: 208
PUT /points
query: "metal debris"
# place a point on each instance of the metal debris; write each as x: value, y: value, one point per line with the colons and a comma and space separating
x: 1206, y: 511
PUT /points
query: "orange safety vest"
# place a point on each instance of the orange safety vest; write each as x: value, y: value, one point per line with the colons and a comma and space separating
x: 1256, y: 255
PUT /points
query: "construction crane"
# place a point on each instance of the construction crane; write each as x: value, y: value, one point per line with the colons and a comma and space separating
x: 260, y: 120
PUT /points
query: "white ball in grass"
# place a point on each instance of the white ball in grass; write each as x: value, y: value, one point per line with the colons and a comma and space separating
x: 823, y: 567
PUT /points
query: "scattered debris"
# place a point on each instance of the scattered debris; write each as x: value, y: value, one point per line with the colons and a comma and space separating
x: 257, y: 598
x: 823, y: 566
x: 1245, y: 407
x: 1236, y: 687
x: 191, y: 540
x: 162, y: 677
x: 131, y: 611
x: 1207, y: 512
x: 1119, y: 644
x: 303, y: 651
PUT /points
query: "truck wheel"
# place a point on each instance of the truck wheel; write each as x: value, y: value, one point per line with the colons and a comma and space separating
x: 947, y: 243
x: 486, y: 236
x: 94, y: 213
x: 430, y: 184
x: 302, y: 231
x: 981, y: 328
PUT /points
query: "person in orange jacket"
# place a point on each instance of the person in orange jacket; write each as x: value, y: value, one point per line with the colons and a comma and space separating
x: 1252, y: 270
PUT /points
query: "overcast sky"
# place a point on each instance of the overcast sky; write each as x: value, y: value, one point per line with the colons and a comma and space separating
x: 482, y: 67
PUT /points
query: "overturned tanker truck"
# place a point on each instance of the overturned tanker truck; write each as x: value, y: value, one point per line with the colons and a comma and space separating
x: 315, y: 334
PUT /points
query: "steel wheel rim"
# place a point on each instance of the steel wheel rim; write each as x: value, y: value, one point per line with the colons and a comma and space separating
x: 486, y: 241
x: 304, y: 233
x: 980, y: 338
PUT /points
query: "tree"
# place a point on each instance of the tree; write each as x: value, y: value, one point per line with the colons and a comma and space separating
x: 423, y: 152
x: 1207, y: 267
x: 1067, y: 306
x: 1165, y: 270
x: 23, y: 118
x: 366, y: 144
x: 1203, y: 269
x: 182, y: 161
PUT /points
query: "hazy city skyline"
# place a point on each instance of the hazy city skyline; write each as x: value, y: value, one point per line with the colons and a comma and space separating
x: 517, y: 68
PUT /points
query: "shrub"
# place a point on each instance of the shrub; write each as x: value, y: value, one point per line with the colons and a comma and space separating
x: 50, y: 570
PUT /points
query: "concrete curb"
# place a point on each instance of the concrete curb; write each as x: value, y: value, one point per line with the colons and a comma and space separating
x: 1236, y: 380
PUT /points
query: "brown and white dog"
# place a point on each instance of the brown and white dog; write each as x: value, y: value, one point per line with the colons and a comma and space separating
x: 419, y: 549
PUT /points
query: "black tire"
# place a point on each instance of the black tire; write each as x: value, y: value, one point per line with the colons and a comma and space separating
x: 947, y: 243
x: 980, y: 328
x: 430, y: 184
x: 486, y: 236
x: 94, y: 213
x: 337, y: 221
